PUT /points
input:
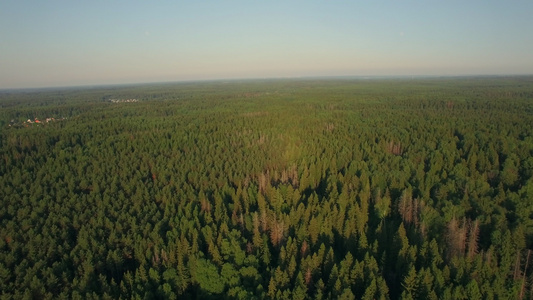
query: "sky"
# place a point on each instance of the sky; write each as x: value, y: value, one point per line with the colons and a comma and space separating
x: 68, y: 43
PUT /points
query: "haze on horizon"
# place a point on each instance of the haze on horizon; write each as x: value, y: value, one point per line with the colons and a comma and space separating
x: 66, y: 43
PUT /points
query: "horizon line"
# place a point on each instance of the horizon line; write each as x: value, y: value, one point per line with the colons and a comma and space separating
x: 310, y: 77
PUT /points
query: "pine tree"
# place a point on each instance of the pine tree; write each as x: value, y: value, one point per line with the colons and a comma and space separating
x: 410, y: 285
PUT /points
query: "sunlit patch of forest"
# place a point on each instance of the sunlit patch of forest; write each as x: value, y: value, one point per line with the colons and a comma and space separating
x: 282, y: 189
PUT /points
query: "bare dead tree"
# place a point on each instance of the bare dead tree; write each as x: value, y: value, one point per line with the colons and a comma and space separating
x: 516, y: 272
x: 263, y: 183
x: 276, y: 232
x: 449, y: 104
x: 308, y: 276
x: 394, y: 148
x: 473, y: 239
x: 524, y: 276
x: 304, y: 248
x: 415, y: 210
x: 461, y: 237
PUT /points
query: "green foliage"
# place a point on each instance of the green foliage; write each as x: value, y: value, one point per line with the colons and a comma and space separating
x: 297, y: 189
x: 208, y: 277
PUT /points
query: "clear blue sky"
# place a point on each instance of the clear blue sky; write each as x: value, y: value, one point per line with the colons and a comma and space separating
x: 61, y: 43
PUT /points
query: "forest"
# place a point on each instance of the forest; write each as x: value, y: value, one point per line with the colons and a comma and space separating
x: 341, y: 188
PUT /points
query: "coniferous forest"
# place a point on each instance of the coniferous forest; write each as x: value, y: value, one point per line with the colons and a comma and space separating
x: 279, y: 189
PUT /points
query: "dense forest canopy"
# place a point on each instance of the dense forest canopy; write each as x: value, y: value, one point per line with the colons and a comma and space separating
x: 339, y: 188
